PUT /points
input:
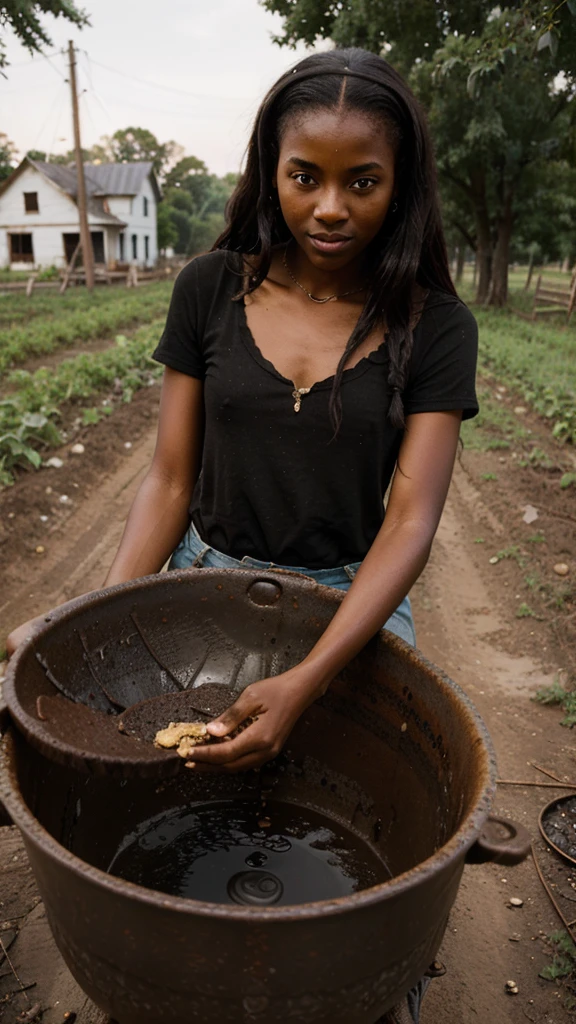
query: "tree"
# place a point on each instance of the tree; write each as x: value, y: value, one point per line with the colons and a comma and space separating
x: 128, y: 145
x: 189, y: 165
x: 7, y: 154
x: 167, y: 233
x: 23, y: 17
x: 489, y: 78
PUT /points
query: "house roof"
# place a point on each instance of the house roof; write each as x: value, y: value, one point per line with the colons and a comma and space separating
x: 65, y: 179
x: 121, y: 179
x: 101, y: 180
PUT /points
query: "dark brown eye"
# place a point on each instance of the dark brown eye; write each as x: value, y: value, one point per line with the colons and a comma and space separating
x: 363, y: 184
x: 304, y: 179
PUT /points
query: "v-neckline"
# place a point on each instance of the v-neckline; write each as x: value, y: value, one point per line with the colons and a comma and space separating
x: 377, y: 355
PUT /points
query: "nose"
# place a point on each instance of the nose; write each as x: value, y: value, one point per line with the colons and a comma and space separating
x: 331, y: 206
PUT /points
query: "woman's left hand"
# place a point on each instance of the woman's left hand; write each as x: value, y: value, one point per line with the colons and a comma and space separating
x: 277, y: 703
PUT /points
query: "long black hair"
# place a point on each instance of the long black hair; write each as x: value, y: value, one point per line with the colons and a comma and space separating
x: 409, y: 250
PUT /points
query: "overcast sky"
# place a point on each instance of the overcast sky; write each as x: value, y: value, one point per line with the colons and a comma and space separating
x: 208, y: 63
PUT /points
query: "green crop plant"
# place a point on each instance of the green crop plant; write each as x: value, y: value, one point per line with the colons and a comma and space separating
x: 83, y: 321
x: 29, y: 417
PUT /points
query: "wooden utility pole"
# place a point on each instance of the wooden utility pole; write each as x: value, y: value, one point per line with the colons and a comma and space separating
x: 85, y: 239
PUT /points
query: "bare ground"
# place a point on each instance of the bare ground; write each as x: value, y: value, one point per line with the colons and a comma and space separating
x: 466, y: 616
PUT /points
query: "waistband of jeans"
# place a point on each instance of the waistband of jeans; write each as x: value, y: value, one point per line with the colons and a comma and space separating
x: 199, y: 548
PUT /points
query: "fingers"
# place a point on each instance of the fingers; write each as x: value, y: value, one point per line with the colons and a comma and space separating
x: 230, y: 750
x: 245, y: 706
x: 242, y: 764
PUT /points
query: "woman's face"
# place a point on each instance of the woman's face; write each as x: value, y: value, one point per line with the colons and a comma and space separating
x: 335, y: 181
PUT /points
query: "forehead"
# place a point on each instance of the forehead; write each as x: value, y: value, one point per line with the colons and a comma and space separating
x: 347, y: 137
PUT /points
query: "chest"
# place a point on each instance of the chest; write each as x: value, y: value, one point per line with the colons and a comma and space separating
x: 304, y: 340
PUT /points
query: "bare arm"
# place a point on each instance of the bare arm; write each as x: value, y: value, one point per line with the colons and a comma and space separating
x: 394, y: 562
x: 159, y: 515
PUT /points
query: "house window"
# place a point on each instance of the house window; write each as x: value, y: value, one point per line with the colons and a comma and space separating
x: 21, y: 249
x: 31, y: 202
x: 145, y: 206
x: 134, y: 247
x: 146, y: 247
x: 121, y: 246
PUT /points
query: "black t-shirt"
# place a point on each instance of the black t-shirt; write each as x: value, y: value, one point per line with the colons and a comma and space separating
x: 275, y: 485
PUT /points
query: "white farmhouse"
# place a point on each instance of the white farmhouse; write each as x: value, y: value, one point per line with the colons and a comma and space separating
x: 39, y: 216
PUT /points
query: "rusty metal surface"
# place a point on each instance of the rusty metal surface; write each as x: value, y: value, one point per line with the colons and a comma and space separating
x: 394, y: 744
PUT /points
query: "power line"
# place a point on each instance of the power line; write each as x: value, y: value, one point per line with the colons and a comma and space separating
x: 39, y: 56
x: 156, y: 85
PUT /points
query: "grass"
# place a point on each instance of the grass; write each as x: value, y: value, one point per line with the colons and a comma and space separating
x: 55, y: 321
x: 535, y: 360
x: 495, y: 426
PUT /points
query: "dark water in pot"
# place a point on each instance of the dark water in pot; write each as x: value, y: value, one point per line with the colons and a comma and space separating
x: 238, y: 852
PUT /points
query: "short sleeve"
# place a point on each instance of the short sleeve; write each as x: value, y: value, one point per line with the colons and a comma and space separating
x: 179, y: 347
x: 443, y: 370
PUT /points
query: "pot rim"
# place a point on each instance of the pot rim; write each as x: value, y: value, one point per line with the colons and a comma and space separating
x: 450, y: 852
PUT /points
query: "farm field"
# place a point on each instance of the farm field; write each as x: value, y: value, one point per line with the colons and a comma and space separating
x: 490, y: 608
x: 42, y: 407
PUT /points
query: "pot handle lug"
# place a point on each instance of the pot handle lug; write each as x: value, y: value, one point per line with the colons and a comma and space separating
x: 500, y: 841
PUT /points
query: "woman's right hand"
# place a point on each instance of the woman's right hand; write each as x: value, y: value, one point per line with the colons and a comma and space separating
x: 20, y: 634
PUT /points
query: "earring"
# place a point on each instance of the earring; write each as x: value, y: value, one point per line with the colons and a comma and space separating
x: 394, y: 206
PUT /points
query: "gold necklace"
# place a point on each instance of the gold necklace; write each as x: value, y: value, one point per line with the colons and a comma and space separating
x: 329, y: 298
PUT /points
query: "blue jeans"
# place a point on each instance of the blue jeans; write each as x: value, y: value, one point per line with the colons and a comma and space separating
x: 193, y: 552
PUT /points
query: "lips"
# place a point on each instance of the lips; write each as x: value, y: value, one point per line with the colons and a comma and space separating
x: 329, y: 242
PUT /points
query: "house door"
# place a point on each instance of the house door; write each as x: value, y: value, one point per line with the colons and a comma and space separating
x: 70, y: 243
x: 71, y: 240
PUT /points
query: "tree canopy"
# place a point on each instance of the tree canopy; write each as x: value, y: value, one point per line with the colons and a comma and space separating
x: 24, y: 18
x: 7, y: 156
x: 499, y: 86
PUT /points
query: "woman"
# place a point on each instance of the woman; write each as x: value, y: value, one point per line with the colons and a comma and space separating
x: 318, y: 347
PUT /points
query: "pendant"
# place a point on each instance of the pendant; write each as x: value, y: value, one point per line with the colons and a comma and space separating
x: 297, y: 396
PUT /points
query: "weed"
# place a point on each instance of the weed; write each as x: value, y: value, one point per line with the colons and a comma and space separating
x: 557, y: 694
x: 488, y: 476
x: 525, y: 612
x: 538, y: 457
x: 512, y: 552
x: 563, y: 966
x: 479, y: 540
x: 497, y: 443
x: 567, y: 480
x: 537, y: 538
x: 533, y: 582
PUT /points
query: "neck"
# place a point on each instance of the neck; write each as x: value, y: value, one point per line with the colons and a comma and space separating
x: 320, y: 282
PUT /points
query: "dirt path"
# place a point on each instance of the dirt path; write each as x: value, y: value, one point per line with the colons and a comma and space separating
x: 465, y: 624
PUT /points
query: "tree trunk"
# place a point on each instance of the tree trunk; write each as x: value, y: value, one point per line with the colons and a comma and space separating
x: 530, y: 271
x: 483, y: 258
x: 483, y: 234
x: 460, y: 256
x: 499, y: 286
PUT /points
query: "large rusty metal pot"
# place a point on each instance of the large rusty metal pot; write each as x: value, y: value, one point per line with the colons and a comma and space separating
x: 395, y: 749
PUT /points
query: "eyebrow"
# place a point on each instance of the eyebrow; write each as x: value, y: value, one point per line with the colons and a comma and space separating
x: 310, y: 166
